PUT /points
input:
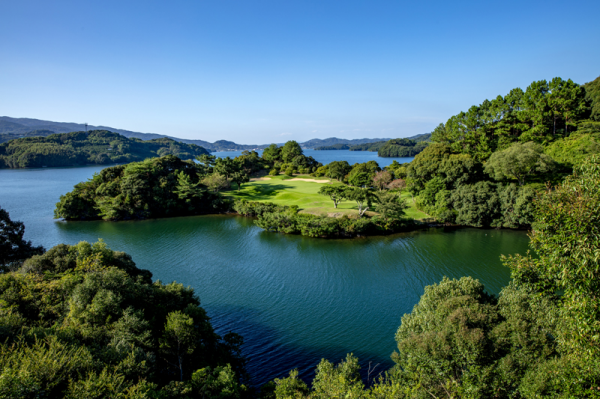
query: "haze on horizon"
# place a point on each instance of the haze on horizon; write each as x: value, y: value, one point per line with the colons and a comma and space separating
x: 270, y: 71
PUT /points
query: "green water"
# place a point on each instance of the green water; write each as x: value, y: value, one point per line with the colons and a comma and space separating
x: 294, y: 299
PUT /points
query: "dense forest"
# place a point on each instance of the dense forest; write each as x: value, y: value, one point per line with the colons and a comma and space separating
x: 95, y: 147
x: 85, y: 321
x: 485, y: 165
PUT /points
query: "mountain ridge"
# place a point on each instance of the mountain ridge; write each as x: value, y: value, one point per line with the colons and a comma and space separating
x: 11, y: 128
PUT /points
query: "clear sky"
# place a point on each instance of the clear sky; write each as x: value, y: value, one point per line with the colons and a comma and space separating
x: 268, y: 71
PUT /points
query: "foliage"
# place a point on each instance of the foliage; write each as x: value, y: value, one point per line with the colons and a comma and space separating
x: 518, y: 162
x: 289, y: 221
x: 84, y: 321
x: 390, y: 205
x: 592, y: 95
x: 336, y: 193
x: 157, y: 187
x: 95, y: 147
x: 399, y: 148
x: 573, y: 150
x: 382, y: 179
x: 13, y: 248
x: 544, y: 112
x: 565, y: 236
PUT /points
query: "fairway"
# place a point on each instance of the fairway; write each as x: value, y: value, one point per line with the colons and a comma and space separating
x: 284, y: 190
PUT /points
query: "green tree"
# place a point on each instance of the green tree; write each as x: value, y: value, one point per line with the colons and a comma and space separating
x: 187, y: 190
x: 272, y: 153
x: 362, y: 198
x: 390, y: 205
x: 336, y: 193
x: 226, y: 167
x: 338, y: 170
x: 239, y: 178
x: 518, y: 162
x: 216, y: 182
x: 13, y: 248
x: 179, y: 338
x: 290, y: 150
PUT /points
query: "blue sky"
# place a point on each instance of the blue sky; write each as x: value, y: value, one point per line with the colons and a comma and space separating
x: 269, y: 71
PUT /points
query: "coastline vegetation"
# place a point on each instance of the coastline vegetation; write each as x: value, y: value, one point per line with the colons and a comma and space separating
x: 98, y: 147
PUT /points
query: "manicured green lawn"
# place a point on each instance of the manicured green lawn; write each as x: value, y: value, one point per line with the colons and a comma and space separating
x: 284, y: 191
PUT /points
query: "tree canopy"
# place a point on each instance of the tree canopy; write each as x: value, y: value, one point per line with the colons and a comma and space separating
x: 95, y: 147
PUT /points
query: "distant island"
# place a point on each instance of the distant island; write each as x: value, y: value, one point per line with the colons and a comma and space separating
x: 99, y: 147
x: 394, y: 148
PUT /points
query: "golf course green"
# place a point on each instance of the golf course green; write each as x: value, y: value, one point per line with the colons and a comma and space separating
x: 302, y: 190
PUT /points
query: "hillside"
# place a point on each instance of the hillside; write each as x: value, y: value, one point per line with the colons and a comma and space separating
x: 95, y: 147
x: 12, y: 128
x: 393, y: 148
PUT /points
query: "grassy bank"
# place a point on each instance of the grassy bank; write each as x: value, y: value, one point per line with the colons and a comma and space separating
x: 285, y: 190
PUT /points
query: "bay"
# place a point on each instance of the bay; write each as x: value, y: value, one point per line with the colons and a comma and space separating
x: 294, y: 299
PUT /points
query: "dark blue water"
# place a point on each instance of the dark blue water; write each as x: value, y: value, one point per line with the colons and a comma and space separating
x: 294, y: 299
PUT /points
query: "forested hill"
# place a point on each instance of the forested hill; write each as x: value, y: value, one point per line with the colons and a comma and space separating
x: 394, y: 148
x: 95, y: 147
x: 13, y: 128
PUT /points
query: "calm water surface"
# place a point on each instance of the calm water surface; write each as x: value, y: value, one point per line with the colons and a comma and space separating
x: 294, y: 299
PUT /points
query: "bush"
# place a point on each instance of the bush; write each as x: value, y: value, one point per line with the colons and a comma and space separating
x: 274, y: 172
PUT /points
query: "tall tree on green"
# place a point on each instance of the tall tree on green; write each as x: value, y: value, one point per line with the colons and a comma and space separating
x: 336, y: 193
x: 290, y: 150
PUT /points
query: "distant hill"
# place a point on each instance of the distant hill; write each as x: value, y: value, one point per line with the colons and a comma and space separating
x: 94, y: 147
x: 375, y: 146
x: 314, y: 143
x: 11, y: 128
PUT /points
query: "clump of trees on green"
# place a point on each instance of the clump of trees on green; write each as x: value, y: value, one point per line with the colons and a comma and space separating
x: 168, y: 186
x: 485, y: 165
x: 99, y: 147
x: 156, y: 187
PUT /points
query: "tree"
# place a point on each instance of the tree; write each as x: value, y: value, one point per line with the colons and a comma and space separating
x: 215, y: 182
x: 338, y: 169
x: 206, y: 163
x: 239, y: 178
x: 389, y: 205
x: 361, y: 197
x: 13, y: 248
x: 336, y: 193
x: 382, y: 179
x: 290, y: 150
x: 187, y: 190
x: 226, y: 167
x: 519, y: 161
x: 272, y: 153
x: 398, y: 184
x: 289, y: 171
x: 179, y: 338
